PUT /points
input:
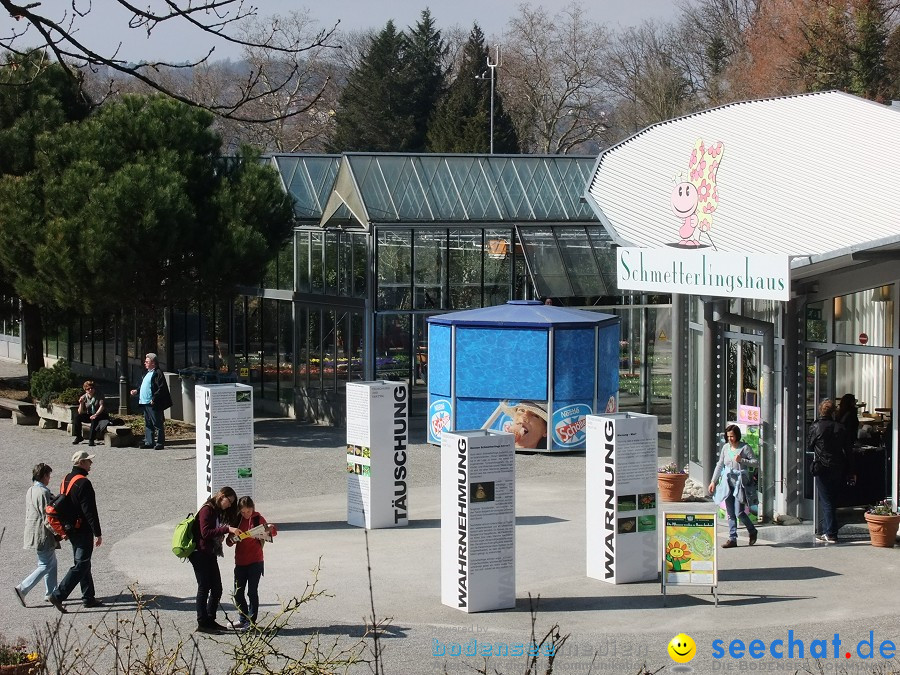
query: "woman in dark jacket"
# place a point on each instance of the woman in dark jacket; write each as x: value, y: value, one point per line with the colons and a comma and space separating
x: 214, y: 520
x: 827, y: 440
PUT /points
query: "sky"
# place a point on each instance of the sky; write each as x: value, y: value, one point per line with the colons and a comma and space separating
x: 106, y: 24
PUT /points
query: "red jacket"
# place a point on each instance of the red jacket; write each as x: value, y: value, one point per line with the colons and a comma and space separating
x: 250, y: 550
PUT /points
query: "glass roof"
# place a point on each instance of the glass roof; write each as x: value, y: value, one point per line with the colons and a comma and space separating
x: 309, y: 179
x: 471, y: 188
x: 395, y: 188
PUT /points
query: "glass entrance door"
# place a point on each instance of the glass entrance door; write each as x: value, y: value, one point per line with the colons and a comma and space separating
x: 824, y: 384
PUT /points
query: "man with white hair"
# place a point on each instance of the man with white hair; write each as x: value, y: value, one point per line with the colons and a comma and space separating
x: 155, y: 398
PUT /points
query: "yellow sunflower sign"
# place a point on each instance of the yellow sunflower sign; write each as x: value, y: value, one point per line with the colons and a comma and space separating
x: 689, y: 550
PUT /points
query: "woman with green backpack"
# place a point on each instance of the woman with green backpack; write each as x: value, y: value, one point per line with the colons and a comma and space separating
x: 214, y: 520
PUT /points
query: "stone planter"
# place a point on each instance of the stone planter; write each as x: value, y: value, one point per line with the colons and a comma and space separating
x: 883, y: 529
x: 671, y: 486
x: 57, y: 415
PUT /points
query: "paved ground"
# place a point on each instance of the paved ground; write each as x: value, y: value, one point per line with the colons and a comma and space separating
x: 781, y: 584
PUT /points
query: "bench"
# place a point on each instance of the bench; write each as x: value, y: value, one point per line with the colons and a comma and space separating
x: 21, y: 412
x: 118, y: 436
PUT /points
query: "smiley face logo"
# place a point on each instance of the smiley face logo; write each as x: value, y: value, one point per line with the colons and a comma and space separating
x: 682, y: 648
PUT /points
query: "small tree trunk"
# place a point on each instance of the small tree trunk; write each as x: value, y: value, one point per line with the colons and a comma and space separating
x: 33, y: 326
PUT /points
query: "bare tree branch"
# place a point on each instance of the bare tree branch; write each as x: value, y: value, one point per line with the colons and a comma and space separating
x: 56, y: 29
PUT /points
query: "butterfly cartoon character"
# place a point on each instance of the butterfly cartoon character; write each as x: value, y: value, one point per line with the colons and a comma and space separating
x: 695, y: 196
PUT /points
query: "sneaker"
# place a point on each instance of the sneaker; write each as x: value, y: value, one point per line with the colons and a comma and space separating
x: 831, y: 539
x: 56, y: 602
x: 241, y: 626
x: 215, y: 625
x: 77, y: 441
x: 145, y: 446
x: 731, y: 543
x: 91, y: 443
x: 93, y: 602
x: 19, y: 596
x: 206, y: 628
x: 753, y: 537
x: 158, y: 447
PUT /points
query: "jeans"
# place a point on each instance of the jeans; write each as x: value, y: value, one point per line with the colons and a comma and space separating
x: 247, y: 576
x: 209, y: 585
x: 84, y: 417
x: 828, y: 484
x: 154, y: 420
x: 80, y: 573
x: 46, y: 568
x: 735, y: 510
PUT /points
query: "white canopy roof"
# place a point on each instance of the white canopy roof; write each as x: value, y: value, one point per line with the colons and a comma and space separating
x: 815, y: 175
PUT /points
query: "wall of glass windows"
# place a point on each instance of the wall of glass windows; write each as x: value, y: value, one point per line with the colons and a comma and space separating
x: 10, y: 328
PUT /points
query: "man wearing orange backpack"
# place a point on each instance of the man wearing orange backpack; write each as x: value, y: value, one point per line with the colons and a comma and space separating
x: 84, y: 536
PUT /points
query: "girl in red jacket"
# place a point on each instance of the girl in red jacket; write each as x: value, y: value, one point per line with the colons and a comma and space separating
x: 248, y: 562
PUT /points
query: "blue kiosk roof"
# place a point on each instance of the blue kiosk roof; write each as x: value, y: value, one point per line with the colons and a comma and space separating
x: 532, y: 313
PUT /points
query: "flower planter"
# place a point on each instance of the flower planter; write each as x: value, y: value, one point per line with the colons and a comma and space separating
x: 883, y: 529
x: 671, y: 486
x: 21, y: 668
x: 60, y: 413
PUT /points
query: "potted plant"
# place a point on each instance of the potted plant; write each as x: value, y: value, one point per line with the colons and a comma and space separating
x: 15, y: 659
x: 883, y: 521
x: 671, y: 480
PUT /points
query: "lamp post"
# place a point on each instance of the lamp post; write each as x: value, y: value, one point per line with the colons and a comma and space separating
x: 484, y: 76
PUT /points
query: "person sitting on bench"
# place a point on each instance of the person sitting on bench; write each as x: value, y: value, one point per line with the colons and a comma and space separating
x: 91, y: 409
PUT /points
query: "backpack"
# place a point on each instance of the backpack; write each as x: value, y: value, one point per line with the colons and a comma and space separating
x: 62, y: 513
x: 183, y: 542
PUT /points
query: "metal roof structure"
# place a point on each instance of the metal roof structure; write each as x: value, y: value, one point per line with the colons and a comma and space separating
x: 814, y: 176
x: 519, y: 313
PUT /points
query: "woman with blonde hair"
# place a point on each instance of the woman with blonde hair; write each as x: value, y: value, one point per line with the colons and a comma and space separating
x: 214, y: 520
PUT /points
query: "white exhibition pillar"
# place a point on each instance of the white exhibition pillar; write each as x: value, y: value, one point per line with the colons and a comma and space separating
x: 478, y: 520
x: 621, y: 495
x: 377, y: 435
x: 224, y: 418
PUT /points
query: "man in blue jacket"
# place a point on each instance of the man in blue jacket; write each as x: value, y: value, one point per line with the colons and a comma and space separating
x: 155, y: 398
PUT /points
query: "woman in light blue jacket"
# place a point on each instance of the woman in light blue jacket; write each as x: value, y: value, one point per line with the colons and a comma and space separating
x: 38, y: 535
x: 733, y: 459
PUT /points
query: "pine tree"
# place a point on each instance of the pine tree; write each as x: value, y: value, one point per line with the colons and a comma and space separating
x: 425, y: 54
x: 374, y: 112
x: 870, y: 72
x: 462, y: 121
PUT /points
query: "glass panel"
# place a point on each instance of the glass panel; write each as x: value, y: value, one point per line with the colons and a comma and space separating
x: 269, y: 349
x: 466, y: 260
x: 354, y: 347
x: 392, y: 338
x: 303, y: 262
x: 302, y: 360
x: 545, y: 262
x: 345, y: 264
x: 109, y: 341
x: 866, y: 317
x: 816, y: 326
x: 659, y: 353
x: 578, y: 256
x: 331, y: 262
x: 329, y: 351
x: 430, y: 268
x: 694, y: 414
x: 254, y: 344
x: 317, y: 253
x: 394, y: 252
x: 239, y: 339
x: 359, y: 265
x: 497, y: 253
x: 285, y: 352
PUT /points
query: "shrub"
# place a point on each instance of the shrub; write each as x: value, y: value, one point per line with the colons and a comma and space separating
x: 48, y: 381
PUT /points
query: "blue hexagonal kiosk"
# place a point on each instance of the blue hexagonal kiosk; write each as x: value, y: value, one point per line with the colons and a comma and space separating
x: 533, y: 369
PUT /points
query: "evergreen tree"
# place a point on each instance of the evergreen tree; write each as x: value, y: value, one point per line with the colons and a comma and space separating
x: 425, y: 55
x: 375, y: 110
x: 36, y: 97
x: 871, y: 78
x: 462, y: 121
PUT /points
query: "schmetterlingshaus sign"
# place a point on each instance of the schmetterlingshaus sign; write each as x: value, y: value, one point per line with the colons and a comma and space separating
x: 704, y: 272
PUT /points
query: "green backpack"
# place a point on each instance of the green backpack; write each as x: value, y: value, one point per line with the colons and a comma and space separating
x: 183, y: 543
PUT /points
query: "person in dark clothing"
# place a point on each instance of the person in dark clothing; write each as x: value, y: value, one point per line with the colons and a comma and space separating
x: 214, y: 520
x: 847, y: 417
x: 84, y: 537
x: 827, y: 440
